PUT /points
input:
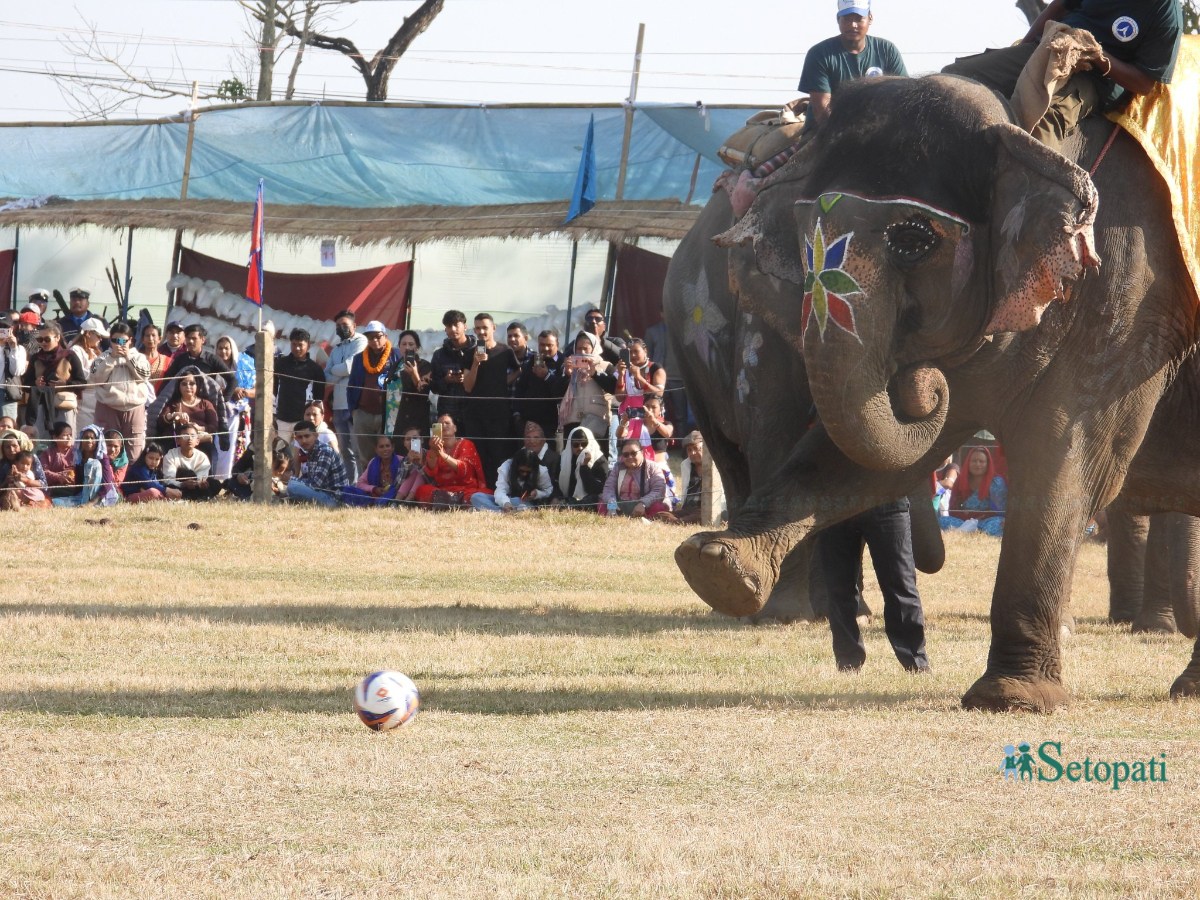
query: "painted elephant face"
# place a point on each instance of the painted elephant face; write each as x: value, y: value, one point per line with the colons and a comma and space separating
x: 895, y: 287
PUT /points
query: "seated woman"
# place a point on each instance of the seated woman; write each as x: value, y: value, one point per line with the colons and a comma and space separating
x: 583, y: 471
x: 691, y: 476
x: 634, y: 488
x: 22, y: 481
x: 412, y: 467
x: 188, y: 407
x: 58, y: 460
x: 93, y: 472
x: 114, y: 446
x: 978, y: 498
x: 452, y: 467
x: 143, y: 482
x: 521, y: 483
x: 380, y: 479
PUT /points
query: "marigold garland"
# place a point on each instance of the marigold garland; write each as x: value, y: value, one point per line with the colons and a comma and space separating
x: 383, y: 358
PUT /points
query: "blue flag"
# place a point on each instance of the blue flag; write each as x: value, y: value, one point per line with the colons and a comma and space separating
x: 583, y: 197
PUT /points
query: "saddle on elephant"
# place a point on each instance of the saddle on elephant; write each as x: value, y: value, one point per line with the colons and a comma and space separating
x: 1165, y: 122
x: 768, y: 139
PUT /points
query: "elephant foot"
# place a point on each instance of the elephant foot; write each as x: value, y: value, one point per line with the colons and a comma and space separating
x: 721, y: 569
x: 1121, y: 617
x: 1154, y: 626
x: 1003, y: 693
x: 1186, y: 685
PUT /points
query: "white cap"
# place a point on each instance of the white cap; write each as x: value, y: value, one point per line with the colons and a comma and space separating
x: 856, y: 7
x: 374, y: 327
x: 94, y: 324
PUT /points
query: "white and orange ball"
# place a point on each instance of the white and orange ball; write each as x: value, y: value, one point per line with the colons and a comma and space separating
x: 386, y: 700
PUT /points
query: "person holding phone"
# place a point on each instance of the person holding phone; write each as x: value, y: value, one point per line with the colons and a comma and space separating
x: 452, y: 467
x: 591, y: 381
x: 416, y: 380
x: 13, y: 361
x: 488, y: 412
x: 450, y: 363
x: 521, y: 484
x: 541, y: 384
x: 120, y: 382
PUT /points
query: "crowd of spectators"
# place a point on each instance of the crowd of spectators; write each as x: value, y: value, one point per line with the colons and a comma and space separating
x: 94, y: 415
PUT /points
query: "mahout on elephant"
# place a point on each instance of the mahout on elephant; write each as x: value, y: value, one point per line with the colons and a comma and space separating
x: 748, y: 390
x: 923, y: 240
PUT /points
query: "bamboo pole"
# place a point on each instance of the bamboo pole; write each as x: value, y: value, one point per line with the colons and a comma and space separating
x: 187, y: 171
x: 610, y: 269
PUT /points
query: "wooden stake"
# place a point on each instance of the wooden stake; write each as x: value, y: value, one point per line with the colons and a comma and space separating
x: 260, y: 433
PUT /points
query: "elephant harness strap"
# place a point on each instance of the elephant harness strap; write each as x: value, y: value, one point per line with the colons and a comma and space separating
x: 1104, y: 150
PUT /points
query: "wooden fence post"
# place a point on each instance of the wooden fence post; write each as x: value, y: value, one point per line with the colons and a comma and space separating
x: 712, y: 496
x: 264, y: 406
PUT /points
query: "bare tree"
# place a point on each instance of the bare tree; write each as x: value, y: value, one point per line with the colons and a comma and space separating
x: 376, y: 71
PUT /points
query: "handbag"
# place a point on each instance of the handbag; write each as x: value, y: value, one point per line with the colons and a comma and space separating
x: 66, y: 400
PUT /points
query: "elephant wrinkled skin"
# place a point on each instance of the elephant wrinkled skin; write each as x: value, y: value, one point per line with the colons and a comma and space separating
x: 922, y: 241
x: 748, y: 390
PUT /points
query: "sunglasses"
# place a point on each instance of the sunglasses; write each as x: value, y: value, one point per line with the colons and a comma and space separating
x: 595, y: 318
x: 629, y: 454
x: 44, y: 340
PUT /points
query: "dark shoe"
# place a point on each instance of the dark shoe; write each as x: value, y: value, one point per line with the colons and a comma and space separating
x: 922, y: 669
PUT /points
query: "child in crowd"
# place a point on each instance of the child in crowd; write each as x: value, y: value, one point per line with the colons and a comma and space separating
x: 379, y: 481
x: 24, y: 484
x: 93, y: 472
x: 143, y: 482
x: 58, y: 460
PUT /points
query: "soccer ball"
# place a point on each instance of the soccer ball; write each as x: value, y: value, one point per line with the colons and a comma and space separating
x: 386, y: 700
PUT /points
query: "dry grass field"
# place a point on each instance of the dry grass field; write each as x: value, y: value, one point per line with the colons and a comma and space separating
x: 175, y: 721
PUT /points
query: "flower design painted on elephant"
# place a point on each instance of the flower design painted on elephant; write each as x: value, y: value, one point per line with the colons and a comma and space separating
x: 827, y: 284
x: 704, y: 319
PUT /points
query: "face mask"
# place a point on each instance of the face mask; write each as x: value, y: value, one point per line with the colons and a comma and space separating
x: 343, y: 331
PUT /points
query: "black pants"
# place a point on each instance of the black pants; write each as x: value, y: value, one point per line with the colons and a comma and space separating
x: 888, y: 534
x: 490, y: 431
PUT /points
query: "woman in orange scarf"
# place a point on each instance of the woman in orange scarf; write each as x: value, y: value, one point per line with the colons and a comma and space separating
x: 453, y: 467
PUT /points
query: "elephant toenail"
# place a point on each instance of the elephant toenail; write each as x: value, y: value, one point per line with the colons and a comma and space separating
x: 713, y: 551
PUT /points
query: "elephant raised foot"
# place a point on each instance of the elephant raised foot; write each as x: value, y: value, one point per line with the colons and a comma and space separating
x: 1003, y: 693
x: 1186, y: 685
x: 730, y: 574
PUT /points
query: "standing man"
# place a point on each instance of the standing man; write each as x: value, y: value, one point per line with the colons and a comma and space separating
x: 298, y: 381
x: 366, y: 390
x: 541, y: 385
x: 72, y: 323
x: 518, y: 342
x: 1139, y: 41
x: 887, y: 530
x: 450, y: 363
x: 487, y: 412
x: 193, y: 354
x: 594, y: 323
x: 337, y: 374
x: 852, y: 54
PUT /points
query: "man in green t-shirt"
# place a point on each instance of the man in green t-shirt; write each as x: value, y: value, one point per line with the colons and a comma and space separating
x: 852, y: 54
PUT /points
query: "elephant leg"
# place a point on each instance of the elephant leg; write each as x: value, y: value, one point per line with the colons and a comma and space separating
x: 1188, y: 683
x: 1185, y: 573
x: 792, y: 599
x: 1127, y: 535
x: 1156, y: 615
x: 1037, y: 559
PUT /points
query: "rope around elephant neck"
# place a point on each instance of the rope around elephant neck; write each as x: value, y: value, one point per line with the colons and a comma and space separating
x: 1104, y: 150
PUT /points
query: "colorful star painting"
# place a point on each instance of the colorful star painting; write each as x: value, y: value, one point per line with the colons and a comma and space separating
x: 826, y: 284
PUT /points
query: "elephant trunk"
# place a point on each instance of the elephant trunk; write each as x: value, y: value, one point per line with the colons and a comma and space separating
x: 850, y: 387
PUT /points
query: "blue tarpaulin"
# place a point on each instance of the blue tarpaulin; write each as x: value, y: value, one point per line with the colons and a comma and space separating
x: 372, y: 155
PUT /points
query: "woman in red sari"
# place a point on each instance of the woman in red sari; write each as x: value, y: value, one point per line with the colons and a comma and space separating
x: 452, y: 466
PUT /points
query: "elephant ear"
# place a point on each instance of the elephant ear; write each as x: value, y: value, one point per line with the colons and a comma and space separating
x: 769, y: 226
x: 1043, y: 210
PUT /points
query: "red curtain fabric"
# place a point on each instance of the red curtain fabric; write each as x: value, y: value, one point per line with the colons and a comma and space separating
x: 381, y: 293
x: 637, y: 291
x: 8, y: 259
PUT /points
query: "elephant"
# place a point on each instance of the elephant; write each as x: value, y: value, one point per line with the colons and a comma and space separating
x: 725, y: 352
x: 944, y: 270
x: 1154, y: 571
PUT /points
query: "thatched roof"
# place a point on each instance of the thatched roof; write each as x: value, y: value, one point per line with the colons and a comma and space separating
x: 616, y: 221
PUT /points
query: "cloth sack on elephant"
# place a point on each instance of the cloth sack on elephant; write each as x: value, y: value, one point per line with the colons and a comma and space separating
x: 1049, y: 68
x: 1166, y: 123
x: 765, y: 135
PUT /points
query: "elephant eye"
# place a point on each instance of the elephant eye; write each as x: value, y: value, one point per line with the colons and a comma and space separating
x: 912, y: 240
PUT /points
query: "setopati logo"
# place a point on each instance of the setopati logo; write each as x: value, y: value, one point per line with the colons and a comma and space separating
x: 1049, y: 764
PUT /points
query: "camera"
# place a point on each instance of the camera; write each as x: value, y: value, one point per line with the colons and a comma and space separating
x: 5, y: 334
x: 625, y: 357
x: 435, y: 430
x: 414, y: 444
x: 410, y: 356
x: 637, y: 412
